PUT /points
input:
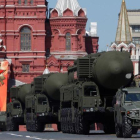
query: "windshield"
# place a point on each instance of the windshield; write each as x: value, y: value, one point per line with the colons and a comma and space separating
x: 42, y: 101
x: 16, y: 106
x: 90, y: 91
x: 132, y: 97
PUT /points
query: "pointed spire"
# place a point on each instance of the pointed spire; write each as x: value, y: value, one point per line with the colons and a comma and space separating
x: 123, y: 30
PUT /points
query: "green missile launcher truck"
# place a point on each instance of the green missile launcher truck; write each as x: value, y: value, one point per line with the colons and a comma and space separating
x: 15, y: 109
x: 127, y: 112
x: 43, y: 106
x: 93, y: 82
x: 76, y: 99
x: 2, y: 121
x: 36, y: 104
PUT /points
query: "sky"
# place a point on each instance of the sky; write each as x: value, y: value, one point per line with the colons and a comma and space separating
x: 105, y: 13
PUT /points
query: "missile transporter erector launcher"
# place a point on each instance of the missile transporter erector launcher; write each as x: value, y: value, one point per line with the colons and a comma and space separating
x: 38, y: 106
x: 93, y: 82
x: 43, y: 105
x: 15, y: 109
x: 73, y: 100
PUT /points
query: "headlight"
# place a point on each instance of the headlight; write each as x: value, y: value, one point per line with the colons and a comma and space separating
x: 91, y: 109
x: 88, y: 110
x: 133, y: 113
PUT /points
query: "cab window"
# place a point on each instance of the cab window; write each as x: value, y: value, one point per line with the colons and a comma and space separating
x: 132, y: 97
x: 42, y: 101
x: 90, y: 91
x: 16, y: 105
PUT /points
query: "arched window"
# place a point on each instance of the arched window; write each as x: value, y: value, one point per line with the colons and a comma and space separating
x: 68, y: 41
x: 121, y: 49
x: 130, y: 51
x: 19, y: 1
x: 31, y: 1
x: 25, y: 39
x: 25, y: 1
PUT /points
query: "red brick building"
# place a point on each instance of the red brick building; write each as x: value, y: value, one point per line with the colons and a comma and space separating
x: 68, y: 35
x: 29, y: 37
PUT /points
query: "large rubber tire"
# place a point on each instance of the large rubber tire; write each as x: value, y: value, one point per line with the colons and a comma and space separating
x: 59, y: 126
x: 39, y: 127
x: 11, y: 125
x: 28, y: 127
x: 135, y: 130
x: 118, y: 130
x: 67, y: 121
x: 63, y: 120
x: 82, y: 126
x: 127, y: 127
x: 71, y: 124
x: 3, y: 128
x: 109, y: 128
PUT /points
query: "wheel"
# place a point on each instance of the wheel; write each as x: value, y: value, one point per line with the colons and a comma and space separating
x: 59, y: 126
x: 118, y: 130
x: 109, y: 128
x: 135, y: 130
x: 28, y: 125
x: 71, y: 125
x: 67, y: 121
x: 62, y: 120
x: 12, y: 125
x: 81, y: 125
x: 127, y: 127
x: 39, y: 127
x: 3, y: 128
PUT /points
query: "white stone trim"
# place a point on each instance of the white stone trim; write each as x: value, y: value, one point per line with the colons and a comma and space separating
x: 25, y: 25
x: 10, y: 5
x: 39, y: 34
x: 68, y: 18
x: 26, y: 57
x: 25, y: 51
x: 131, y: 45
x: 136, y: 68
x: 122, y: 45
x: 41, y: 5
x: 24, y: 17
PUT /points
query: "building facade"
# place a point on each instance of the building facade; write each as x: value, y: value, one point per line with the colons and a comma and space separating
x: 134, y: 22
x: 22, y: 32
x: 31, y: 40
x: 125, y: 37
x: 68, y: 35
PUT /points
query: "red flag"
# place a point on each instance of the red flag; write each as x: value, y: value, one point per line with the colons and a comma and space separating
x: 1, y: 71
x: 3, y: 84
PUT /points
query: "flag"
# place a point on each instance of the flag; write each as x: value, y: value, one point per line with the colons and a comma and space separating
x: 3, y: 84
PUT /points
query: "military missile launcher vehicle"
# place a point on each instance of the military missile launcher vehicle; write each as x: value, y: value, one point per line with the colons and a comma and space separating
x: 37, y: 104
x: 2, y: 121
x: 87, y: 98
x: 43, y: 106
x: 76, y: 99
x: 15, y: 109
x: 127, y: 111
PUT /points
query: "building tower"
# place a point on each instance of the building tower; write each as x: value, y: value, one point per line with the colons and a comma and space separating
x: 123, y: 41
x: 68, y: 36
x: 22, y: 32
